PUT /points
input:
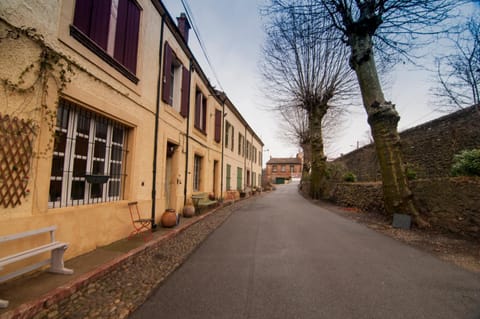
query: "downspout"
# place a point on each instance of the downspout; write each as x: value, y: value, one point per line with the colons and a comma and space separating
x: 223, y: 146
x: 187, y: 136
x: 155, y: 145
x: 245, y: 161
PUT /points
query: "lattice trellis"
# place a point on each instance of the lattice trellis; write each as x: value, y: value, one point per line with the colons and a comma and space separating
x: 16, y: 141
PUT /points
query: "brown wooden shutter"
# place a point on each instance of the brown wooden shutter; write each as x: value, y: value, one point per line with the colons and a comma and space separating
x: 198, y: 105
x: 126, y: 35
x: 167, y: 77
x: 185, y: 92
x: 218, y: 125
x: 204, y: 119
x: 92, y: 17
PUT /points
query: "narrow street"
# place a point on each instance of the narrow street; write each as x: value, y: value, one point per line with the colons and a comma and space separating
x: 281, y: 256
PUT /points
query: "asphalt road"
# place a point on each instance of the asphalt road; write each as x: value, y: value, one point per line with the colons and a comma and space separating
x: 281, y: 256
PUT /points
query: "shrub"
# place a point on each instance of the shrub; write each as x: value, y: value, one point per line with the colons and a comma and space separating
x: 466, y: 163
x: 349, y: 177
x: 410, y: 173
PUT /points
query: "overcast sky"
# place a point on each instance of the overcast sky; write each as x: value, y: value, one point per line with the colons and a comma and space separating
x: 232, y: 33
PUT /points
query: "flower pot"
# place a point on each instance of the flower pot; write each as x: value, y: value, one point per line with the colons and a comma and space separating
x: 211, y: 196
x: 188, y: 211
x: 169, y: 218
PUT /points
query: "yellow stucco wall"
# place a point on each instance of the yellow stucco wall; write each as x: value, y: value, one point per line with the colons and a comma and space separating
x: 96, y: 86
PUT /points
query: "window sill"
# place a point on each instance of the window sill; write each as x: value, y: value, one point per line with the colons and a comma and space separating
x: 92, y: 46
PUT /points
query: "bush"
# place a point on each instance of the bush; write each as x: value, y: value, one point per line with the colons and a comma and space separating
x: 410, y: 173
x: 466, y: 163
x: 349, y: 177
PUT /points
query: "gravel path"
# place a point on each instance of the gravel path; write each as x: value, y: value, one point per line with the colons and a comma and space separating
x: 126, y: 287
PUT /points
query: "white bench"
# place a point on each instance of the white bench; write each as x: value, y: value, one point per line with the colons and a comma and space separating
x: 56, y: 260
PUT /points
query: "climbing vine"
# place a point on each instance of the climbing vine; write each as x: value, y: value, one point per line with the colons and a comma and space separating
x: 32, y: 83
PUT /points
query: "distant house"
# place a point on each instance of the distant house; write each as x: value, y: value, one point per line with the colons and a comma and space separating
x: 282, y: 170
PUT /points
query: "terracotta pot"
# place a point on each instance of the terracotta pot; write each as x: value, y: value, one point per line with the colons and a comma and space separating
x: 211, y: 196
x: 188, y: 211
x: 169, y: 218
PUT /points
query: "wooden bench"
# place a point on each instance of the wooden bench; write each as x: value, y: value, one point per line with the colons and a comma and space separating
x: 56, y: 258
x: 201, y: 200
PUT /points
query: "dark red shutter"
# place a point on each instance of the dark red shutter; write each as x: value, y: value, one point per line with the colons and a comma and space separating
x: 92, y: 17
x: 100, y: 22
x: 126, y: 34
x: 218, y: 125
x: 131, y: 38
x: 83, y: 11
x: 185, y: 92
x: 204, y: 119
x: 167, y: 67
x: 198, y: 105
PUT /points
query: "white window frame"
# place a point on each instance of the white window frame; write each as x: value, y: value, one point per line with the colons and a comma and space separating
x: 68, y: 162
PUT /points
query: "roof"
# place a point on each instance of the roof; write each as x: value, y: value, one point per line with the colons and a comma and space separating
x: 285, y: 160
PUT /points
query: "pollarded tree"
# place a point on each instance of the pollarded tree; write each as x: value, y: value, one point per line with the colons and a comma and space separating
x: 305, y: 68
x: 382, y: 28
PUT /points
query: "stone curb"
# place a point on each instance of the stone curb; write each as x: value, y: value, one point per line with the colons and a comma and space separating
x: 29, y: 309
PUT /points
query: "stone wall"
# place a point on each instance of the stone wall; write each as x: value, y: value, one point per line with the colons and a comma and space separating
x: 428, y: 148
x: 449, y: 204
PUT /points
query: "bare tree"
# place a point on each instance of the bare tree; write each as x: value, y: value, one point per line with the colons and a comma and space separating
x: 459, y: 73
x: 306, y: 74
x: 382, y: 28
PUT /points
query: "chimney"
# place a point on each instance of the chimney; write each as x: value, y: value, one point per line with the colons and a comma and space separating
x: 183, y: 26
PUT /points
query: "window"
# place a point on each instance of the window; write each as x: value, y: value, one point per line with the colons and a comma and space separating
x: 87, y: 146
x: 254, y: 154
x: 201, y: 111
x: 176, y: 82
x: 274, y: 168
x: 283, y: 168
x: 260, y: 160
x: 254, y: 179
x: 218, y: 125
x: 229, y: 177
x: 239, y: 179
x: 110, y: 28
x: 197, y: 170
x: 292, y: 168
x: 247, y: 154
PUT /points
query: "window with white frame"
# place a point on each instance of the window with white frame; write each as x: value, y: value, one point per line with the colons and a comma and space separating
x: 88, y: 158
x: 197, y: 169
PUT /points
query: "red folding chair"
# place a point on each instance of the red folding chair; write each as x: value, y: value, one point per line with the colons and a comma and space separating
x: 139, y: 224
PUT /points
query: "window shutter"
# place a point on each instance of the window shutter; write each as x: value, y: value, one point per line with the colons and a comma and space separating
x: 233, y: 138
x: 92, y: 17
x: 126, y: 36
x: 81, y: 20
x: 100, y: 22
x: 167, y: 66
x: 218, y: 125
x: 198, y: 105
x: 185, y: 92
x: 204, y: 119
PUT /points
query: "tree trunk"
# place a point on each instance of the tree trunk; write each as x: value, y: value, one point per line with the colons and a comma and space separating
x: 318, y: 159
x: 307, y: 157
x: 383, y: 120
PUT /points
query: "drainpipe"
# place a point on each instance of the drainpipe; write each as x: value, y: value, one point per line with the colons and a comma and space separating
x: 155, y: 145
x: 223, y: 146
x: 245, y: 150
x: 188, y: 136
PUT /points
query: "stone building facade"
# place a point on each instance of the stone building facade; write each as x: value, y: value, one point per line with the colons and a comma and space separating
x: 282, y: 170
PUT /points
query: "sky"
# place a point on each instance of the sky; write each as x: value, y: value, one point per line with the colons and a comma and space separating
x: 232, y: 33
